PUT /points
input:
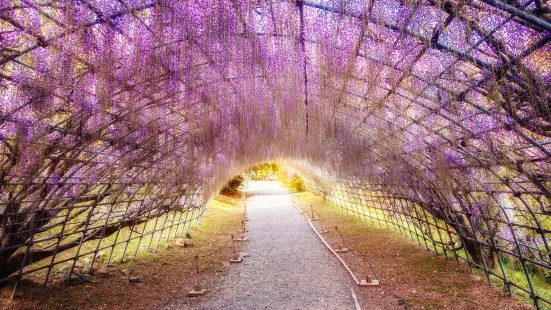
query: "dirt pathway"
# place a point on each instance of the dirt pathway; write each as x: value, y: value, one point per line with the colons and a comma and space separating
x: 288, y: 267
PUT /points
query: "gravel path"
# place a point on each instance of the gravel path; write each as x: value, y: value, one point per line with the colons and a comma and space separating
x: 289, y: 267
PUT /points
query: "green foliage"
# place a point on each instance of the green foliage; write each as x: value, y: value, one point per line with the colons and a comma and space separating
x: 297, y: 182
x: 266, y: 172
x: 233, y: 184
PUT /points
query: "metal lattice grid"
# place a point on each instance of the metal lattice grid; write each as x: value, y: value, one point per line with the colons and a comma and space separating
x: 121, y: 114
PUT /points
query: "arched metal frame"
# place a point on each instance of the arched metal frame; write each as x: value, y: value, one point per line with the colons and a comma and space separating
x: 429, y: 116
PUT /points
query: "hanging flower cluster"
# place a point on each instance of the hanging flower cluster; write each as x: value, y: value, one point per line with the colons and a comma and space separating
x: 445, y: 102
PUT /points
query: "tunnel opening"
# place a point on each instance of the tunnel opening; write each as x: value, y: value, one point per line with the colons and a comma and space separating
x: 274, y: 176
x: 428, y: 117
x: 429, y: 220
x: 466, y: 233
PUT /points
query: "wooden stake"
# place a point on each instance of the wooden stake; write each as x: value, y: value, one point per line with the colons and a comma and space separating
x: 197, y: 289
x: 340, y: 248
x: 312, y: 211
x: 366, y: 269
x: 196, y: 264
x: 368, y: 280
x: 236, y: 258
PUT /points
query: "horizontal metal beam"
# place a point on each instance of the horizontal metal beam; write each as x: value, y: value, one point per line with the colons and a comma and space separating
x: 534, y: 20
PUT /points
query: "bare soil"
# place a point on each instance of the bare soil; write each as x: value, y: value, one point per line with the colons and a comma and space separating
x: 406, y: 269
x: 165, y: 275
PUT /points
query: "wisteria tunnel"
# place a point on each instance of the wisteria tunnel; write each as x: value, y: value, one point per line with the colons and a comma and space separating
x: 433, y: 115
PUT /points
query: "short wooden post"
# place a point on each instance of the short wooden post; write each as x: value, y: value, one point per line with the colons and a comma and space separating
x: 368, y: 280
x: 244, y: 208
x: 197, y: 290
x: 314, y: 218
x: 235, y: 258
x: 340, y: 247
x: 242, y: 238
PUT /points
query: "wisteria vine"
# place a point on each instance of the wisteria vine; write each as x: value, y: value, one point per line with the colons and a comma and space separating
x: 116, y: 112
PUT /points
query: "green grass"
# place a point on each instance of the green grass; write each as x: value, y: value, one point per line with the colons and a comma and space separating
x: 167, y: 271
x: 152, y: 235
x: 375, y: 217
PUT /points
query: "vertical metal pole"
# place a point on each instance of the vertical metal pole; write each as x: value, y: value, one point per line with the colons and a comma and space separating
x: 185, y: 222
x: 101, y: 237
x: 180, y: 217
x: 153, y: 233
x: 339, y: 245
x: 197, y: 288
x: 162, y: 229
x: 83, y: 236
x: 366, y: 269
x: 59, y: 237
x: 25, y: 256
x: 144, y: 228
x: 233, y: 248
x: 118, y: 232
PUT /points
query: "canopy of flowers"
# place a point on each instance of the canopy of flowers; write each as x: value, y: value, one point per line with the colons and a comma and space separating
x: 137, y: 104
